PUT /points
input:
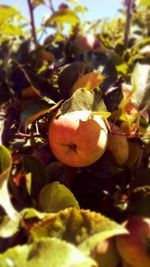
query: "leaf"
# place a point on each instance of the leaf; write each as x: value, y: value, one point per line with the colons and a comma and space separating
x: 89, y: 81
x: 141, y: 85
x: 74, y: 71
x: 46, y: 252
x: 36, y: 109
x: 9, y: 227
x: 83, y: 99
x: 145, y: 3
x: 45, y: 56
x: 7, y: 13
x: 30, y: 213
x: 62, y: 16
x: 105, y: 65
x: 139, y: 200
x: 41, y: 84
x: 102, y: 114
x: 38, y: 174
x: 10, y: 29
x: 36, y: 3
x: 5, y: 168
x: 83, y: 228
x: 55, y: 197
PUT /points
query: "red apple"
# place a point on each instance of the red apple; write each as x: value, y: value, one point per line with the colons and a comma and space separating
x: 78, y: 138
x: 106, y: 254
x: 86, y: 42
x: 134, y: 248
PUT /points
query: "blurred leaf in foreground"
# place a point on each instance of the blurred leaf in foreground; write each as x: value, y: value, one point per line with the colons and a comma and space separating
x: 5, y: 168
x: 80, y: 227
x: 49, y: 252
x: 55, y: 197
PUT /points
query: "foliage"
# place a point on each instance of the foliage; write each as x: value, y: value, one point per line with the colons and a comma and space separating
x: 46, y: 205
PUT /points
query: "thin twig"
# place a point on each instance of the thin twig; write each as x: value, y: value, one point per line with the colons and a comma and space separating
x: 128, y: 21
x: 33, y: 28
x: 51, y: 6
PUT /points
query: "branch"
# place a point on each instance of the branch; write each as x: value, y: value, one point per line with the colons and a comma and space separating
x: 33, y: 30
x: 51, y: 6
x: 128, y: 21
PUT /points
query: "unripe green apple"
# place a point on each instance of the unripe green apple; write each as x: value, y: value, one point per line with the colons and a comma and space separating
x: 78, y: 138
x: 134, y: 248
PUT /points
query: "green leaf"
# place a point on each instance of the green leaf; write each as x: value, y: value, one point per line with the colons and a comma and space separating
x: 30, y: 213
x: 7, y: 13
x: 64, y: 16
x: 55, y: 197
x: 36, y: 109
x: 10, y: 29
x: 5, y: 168
x: 38, y: 174
x: 141, y: 85
x: 46, y: 252
x: 80, y: 227
x: 9, y: 227
x: 83, y: 99
x: 144, y: 3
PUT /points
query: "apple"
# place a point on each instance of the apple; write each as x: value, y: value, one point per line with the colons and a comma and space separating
x: 86, y: 42
x: 134, y: 247
x: 78, y: 138
x: 134, y: 153
x: 118, y: 145
x: 106, y: 254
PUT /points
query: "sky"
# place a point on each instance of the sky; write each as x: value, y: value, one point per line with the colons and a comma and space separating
x: 96, y: 8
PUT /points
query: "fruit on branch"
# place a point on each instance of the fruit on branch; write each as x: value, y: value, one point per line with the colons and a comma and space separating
x: 134, y: 248
x: 106, y: 254
x: 118, y: 145
x: 134, y: 153
x: 78, y: 138
x: 86, y: 42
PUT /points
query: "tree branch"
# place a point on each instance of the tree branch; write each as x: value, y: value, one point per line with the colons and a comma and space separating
x: 51, y: 6
x: 128, y: 4
x: 33, y: 28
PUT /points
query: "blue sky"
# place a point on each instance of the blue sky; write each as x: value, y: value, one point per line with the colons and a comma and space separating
x: 96, y: 8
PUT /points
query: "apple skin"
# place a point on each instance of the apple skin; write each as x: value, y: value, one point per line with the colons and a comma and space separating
x: 86, y: 42
x: 106, y: 254
x: 78, y: 138
x: 118, y: 145
x: 134, y: 154
x: 134, y: 247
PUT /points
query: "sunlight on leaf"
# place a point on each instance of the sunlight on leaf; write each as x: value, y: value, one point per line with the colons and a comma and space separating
x: 141, y: 84
x: 66, y: 16
x: 89, y: 81
x: 5, y: 168
x: 145, y: 3
x: 80, y: 227
x: 9, y: 227
x: 55, y: 197
x: 84, y: 99
x: 48, y: 252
